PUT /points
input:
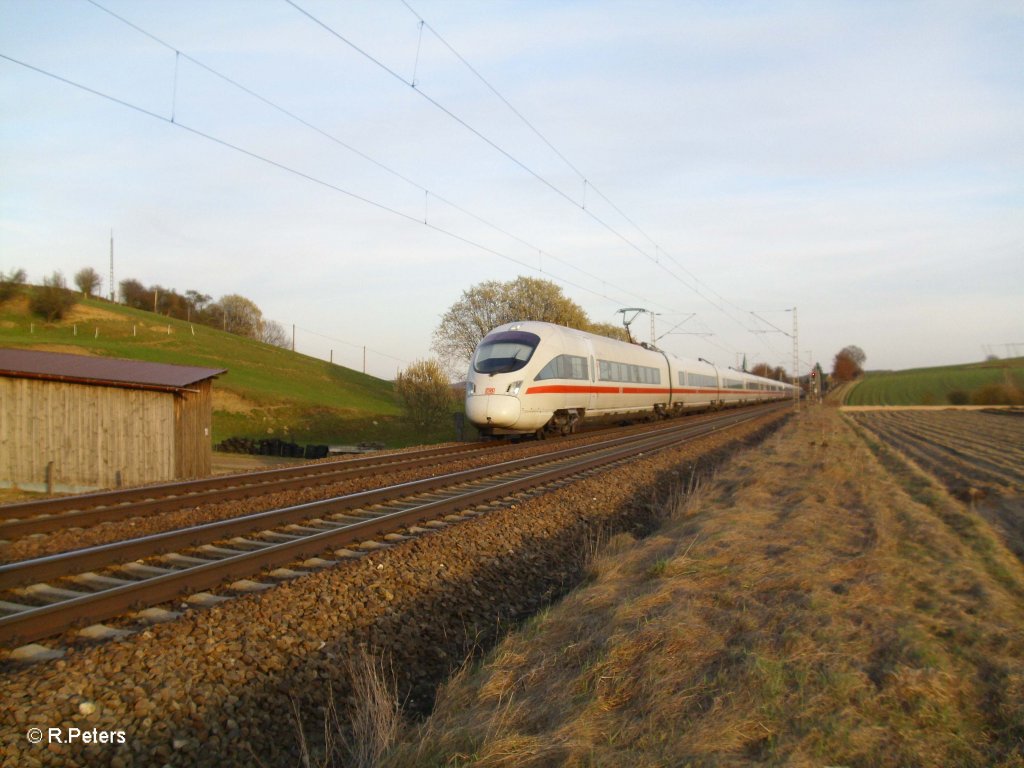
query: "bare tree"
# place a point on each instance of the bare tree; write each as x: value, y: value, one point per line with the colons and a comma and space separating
x: 490, y: 304
x: 88, y: 281
x: 52, y: 300
x: 241, y: 315
x: 763, y: 369
x: 272, y: 332
x: 609, y: 330
x: 196, y: 302
x: 10, y: 284
x: 135, y: 294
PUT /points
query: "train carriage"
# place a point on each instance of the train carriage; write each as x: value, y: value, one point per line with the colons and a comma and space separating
x: 532, y: 377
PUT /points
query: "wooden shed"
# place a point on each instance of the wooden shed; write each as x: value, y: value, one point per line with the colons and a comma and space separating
x: 74, y: 423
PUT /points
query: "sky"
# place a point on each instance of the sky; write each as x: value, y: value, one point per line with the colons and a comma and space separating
x: 354, y: 167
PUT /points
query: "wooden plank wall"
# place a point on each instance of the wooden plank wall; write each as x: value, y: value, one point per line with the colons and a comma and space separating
x: 193, y: 418
x: 88, y: 432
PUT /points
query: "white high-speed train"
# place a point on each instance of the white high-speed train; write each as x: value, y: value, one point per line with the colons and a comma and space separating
x: 531, y: 377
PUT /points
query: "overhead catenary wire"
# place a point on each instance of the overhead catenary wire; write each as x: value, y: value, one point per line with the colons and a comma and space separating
x: 587, y: 183
x: 352, y: 344
x: 301, y: 174
x: 427, y: 192
x: 476, y: 132
x: 359, y: 153
x: 604, y: 294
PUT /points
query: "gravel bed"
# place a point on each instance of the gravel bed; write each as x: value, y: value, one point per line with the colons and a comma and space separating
x: 104, y: 533
x: 219, y: 686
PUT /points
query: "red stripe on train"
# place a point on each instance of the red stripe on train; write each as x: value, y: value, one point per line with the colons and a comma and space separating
x: 564, y: 389
x: 560, y: 389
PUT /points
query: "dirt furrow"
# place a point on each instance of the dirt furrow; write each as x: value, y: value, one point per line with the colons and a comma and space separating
x: 963, y: 480
x: 993, y: 457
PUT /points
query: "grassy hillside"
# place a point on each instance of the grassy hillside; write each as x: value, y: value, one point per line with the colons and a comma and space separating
x: 267, y: 392
x: 934, y: 386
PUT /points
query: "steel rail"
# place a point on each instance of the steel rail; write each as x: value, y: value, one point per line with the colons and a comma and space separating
x: 47, y: 515
x: 37, y: 622
x: 186, y: 489
x: 102, y: 555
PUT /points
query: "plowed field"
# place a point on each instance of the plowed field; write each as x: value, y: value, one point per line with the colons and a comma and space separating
x: 974, y: 453
x: 977, y: 455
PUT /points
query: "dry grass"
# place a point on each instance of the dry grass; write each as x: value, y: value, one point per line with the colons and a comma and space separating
x: 810, y: 606
x: 359, y: 730
x: 231, y: 402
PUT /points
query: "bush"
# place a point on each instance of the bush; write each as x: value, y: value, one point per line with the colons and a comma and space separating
x: 998, y: 394
x: 958, y: 397
x: 52, y: 299
x: 425, y: 393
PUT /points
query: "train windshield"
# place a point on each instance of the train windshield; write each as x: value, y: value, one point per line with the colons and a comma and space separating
x: 505, y: 352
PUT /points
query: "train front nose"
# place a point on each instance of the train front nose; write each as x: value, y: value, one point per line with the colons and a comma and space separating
x: 493, y: 410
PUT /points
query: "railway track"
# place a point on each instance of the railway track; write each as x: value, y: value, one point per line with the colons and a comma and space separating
x: 46, y: 515
x: 20, y: 520
x: 47, y: 596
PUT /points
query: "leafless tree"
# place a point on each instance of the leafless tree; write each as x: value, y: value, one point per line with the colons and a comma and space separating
x: 241, y: 315
x: 88, y: 281
x: 272, y: 332
x: 52, y: 299
x: 10, y: 284
x: 492, y: 303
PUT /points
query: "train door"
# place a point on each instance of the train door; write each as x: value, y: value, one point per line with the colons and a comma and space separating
x: 592, y: 396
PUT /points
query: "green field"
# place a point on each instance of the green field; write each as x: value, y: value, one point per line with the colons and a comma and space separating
x: 934, y: 386
x: 267, y: 391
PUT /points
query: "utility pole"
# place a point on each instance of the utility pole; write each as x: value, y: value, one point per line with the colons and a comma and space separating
x: 795, y: 335
x: 112, y: 294
x: 796, y: 363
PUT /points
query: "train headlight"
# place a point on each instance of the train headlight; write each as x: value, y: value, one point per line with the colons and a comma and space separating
x: 470, y: 388
x: 513, y: 388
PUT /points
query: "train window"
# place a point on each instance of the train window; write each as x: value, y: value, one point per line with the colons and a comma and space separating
x: 630, y: 374
x: 565, y: 367
x: 752, y: 385
x: 505, y: 352
x: 579, y: 368
x: 733, y: 384
x: 701, y: 380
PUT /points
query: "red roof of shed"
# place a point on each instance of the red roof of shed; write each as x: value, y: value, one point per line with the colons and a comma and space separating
x: 86, y: 369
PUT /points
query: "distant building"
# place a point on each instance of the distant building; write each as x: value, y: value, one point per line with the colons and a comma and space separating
x: 76, y: 423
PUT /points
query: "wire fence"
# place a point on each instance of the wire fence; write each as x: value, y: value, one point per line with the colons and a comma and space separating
x: 98, y: 328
